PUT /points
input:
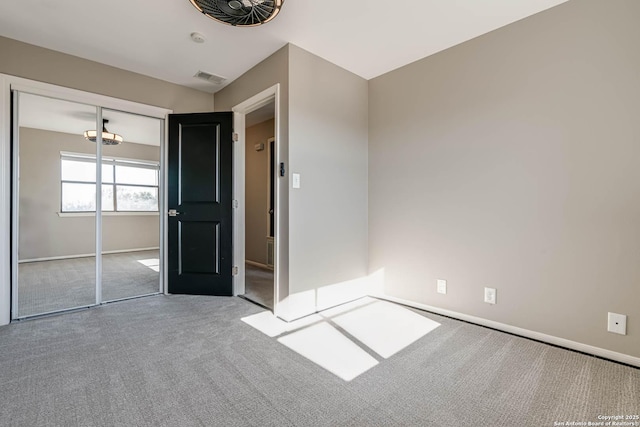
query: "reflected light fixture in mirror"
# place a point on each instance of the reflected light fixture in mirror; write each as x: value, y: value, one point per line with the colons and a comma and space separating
x: 108, y: 138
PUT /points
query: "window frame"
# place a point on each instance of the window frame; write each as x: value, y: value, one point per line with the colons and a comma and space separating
x: 114, y: 162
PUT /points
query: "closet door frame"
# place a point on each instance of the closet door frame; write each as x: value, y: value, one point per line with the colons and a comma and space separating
x: 10, y: 85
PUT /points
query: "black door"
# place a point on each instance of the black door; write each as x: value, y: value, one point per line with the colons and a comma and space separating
x: 200, y: 204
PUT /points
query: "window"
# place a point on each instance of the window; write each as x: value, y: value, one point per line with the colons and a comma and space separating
x: 127, y: 185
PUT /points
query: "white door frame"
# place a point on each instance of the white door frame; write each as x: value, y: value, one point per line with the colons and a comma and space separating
x: 9, y: 83
x: 271, y: 94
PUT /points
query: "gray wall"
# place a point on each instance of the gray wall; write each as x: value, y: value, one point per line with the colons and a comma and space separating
x: 328, y: 147
x: 511, y: 161
x: 273, y: 70
x: 36, y: 63
x: 43, y: 233
x: 323, y: 136
x: 256, y: 190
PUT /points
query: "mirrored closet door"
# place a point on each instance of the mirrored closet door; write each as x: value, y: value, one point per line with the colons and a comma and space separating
x: 66, y: 257
x: 130, y: 220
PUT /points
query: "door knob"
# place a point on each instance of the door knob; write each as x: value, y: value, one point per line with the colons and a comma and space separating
x: 173, y: 212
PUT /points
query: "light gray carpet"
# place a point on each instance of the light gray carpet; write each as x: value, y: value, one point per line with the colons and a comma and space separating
x: 47, y: 286
x: 259, y: 285
x: 190, y: 361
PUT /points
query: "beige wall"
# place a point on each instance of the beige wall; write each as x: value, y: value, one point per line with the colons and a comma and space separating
x: 508, y: 161
x: 328, y: 148
x: 43, y: 233
x: 31, y: 62
x: 511, y: 161
x: 273, y: 70
x: 36, y: 63
x: 323, y: 136
x: 256, y: 190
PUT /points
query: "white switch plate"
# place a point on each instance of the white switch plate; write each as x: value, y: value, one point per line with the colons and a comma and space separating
x: 442, y: 286
x: 490, y: 295
x: 296, y: 180
x: 617, y: 323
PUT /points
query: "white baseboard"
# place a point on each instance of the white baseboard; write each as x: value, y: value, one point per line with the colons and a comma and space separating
x: 561, y: 342
x: 259, y: 265
x: 57, y: 258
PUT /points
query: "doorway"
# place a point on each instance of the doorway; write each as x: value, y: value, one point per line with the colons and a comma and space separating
x: 70, y: 248
x: 279, y: 284
x: 260, y: 176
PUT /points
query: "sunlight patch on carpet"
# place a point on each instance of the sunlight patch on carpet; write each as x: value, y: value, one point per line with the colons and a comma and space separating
x: 326, y: 346
x: 152, y: 263
x: 384, y: 327
x: 272, y: 326
x: 343, y: 339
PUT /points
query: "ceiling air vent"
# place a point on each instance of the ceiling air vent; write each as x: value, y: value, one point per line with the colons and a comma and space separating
x: 240, y: 13
x: 211, y: 78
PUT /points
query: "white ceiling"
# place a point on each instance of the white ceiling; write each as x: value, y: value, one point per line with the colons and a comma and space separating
x: 260, y: 115
x: 368, y: 38
x: 39, y: 112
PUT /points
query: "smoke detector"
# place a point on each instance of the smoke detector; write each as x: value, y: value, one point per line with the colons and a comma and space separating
x: 239, y: 13
x: 197, y: 37
x: 211, y: 78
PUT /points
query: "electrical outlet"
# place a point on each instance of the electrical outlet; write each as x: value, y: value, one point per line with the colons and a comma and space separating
x: 617, y: 323
x: 442, y: 286
x: 490, y: 295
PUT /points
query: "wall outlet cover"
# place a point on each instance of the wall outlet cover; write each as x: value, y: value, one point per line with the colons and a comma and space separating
x: 490, y: 295
x: 441, y: 286
x: 617, y: 323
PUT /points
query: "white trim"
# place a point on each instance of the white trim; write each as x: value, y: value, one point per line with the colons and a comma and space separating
x: 239, y: 207
x: 15, y: 197
x: 56, y: 258
x: 88, y: 98
x: 108, y: 213
x: 48, y: 313
x: 259, y: 265
x: 550, y: 339
x: 5, y: 200
x: 271, y: 94
x: 276, y: 220
x: 150, y: 294
x: 9, y: 83
x: 81, y: 307
x: 98, y: 221
x: 163, y: 206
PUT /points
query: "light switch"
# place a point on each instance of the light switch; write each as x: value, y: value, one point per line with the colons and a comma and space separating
x: 296, y: 180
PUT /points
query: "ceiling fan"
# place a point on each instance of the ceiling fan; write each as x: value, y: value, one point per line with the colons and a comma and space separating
x: 239, y: 13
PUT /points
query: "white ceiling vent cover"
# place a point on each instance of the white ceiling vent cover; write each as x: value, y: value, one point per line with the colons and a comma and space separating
x: 239, y: 13
x: 211, y: 78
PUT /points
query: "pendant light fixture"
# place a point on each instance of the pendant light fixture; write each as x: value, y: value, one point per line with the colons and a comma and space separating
x: 239, y: 13
x: 108, y: 138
